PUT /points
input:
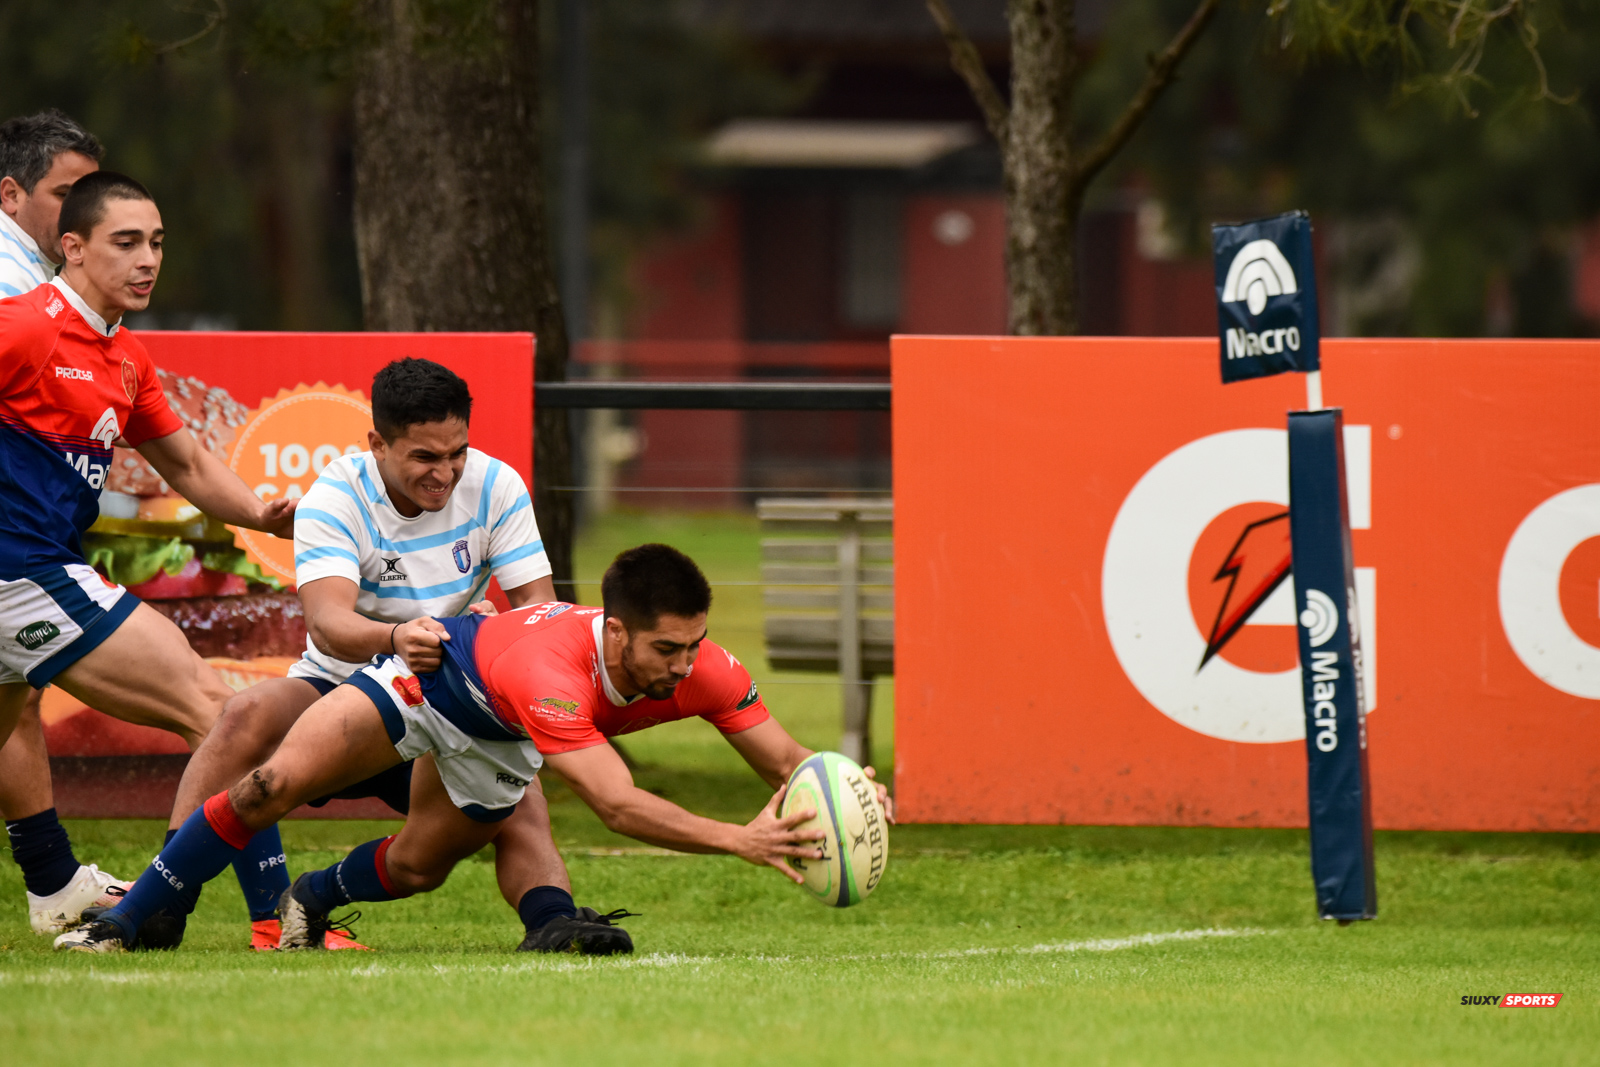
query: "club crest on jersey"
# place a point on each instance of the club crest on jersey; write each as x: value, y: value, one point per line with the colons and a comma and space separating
x: 130, y: 379
x: 463, y: 556
x: 409, y: 688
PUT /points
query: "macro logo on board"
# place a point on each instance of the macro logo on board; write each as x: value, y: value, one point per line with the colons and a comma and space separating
x: 1194, y: 590
x: 1550, y: 591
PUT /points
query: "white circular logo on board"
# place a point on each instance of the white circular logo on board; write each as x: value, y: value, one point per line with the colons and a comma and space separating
x: 1531, y: 609
x: 1145, y: 585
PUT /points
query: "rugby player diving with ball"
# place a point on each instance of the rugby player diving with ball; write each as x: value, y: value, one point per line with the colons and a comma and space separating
x: 547, y: 683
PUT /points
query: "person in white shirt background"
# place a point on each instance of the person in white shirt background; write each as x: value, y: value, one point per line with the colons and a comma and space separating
x: 41, y: 157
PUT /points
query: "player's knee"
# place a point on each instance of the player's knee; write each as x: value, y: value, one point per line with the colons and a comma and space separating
x: 262, y: 797
x: 247, y: 726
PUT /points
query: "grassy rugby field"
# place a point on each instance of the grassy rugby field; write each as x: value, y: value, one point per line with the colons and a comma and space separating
x: 982, y: 945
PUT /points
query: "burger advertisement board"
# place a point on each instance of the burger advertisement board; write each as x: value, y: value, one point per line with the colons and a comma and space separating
x: 275, y: 408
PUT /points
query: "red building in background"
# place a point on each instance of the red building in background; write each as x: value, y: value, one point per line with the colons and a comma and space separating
x: 876, y: 210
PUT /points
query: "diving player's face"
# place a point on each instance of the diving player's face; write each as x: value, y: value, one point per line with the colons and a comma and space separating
x: 421, y: 467
x: 656, y: 660
x: 120, y: 258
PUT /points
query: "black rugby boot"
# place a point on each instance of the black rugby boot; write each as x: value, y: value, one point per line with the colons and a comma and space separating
x: 589, y: 934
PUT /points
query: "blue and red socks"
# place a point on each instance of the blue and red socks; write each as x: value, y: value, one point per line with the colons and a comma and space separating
x: 359, y: 876
x: 263, y: 872
x: 544, y: 903
x: 202, y: 848
x: 40, y: 846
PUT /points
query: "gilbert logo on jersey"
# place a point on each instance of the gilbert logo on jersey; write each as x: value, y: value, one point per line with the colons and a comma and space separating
x: 391, y: 570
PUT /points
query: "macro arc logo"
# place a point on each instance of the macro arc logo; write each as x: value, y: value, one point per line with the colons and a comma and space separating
x: 1149, y: 601
x: 106, y: 429
x: 1320, y: 617
x: 1258, y: 271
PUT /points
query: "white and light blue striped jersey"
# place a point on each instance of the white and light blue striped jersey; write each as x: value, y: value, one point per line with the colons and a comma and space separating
x: 23, y: 268
x: 434, y: 564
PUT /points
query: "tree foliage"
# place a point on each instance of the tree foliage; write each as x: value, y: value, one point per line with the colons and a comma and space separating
x: 1072, y: 111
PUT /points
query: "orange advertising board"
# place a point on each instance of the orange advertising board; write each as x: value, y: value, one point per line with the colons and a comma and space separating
x: 1079, y: 520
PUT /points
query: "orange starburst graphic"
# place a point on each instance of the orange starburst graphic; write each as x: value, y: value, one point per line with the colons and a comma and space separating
x: 282, y: 447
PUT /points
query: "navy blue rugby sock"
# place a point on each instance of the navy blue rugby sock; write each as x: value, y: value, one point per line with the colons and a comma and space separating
x: 197, y: 853
x: 263, y: 872
x: 544, y: 903
x: 359, y: 876
x: 40, y: 846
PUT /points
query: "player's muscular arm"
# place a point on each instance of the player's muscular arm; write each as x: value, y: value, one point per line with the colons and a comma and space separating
x: 601, y: 779
x: 770, y: 751
x: 338, y: 630
x: 202, y: 480
x: 774, y: 755
x: 538, y: 591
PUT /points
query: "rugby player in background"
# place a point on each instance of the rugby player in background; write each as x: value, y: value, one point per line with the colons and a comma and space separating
x: 554, y: 676
x: 414, y: 527
x: 72, y: 383
x: 41, y: 156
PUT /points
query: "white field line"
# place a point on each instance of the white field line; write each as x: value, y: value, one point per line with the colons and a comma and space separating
x: 662, y: 960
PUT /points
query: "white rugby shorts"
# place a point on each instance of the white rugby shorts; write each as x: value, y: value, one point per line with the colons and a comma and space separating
x: 485, y: 779
x: 52, y: 618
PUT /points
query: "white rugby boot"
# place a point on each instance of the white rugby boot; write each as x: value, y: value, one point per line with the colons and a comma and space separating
x: 62, y: 910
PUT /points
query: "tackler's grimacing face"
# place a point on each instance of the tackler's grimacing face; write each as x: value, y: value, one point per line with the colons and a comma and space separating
x: 422, y: 465
x: 657, y: 659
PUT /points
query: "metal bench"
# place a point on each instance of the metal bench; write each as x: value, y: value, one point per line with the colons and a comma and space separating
x: 830, y: 577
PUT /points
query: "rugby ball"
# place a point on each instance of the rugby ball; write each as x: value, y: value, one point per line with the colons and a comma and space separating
x: 855, y: 843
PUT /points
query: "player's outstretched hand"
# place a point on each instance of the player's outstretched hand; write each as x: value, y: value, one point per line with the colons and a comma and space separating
x: 277, y: 518
x: 419, y: 644
x: 883, y: 794
x: 768, y: 839
x: 483, y: 607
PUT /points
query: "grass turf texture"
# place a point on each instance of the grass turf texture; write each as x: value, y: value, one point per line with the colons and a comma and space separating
x: 982, y: 944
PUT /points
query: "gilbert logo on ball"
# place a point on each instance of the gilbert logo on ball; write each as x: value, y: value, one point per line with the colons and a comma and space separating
x: 855, y: 843
x: 282, y: 447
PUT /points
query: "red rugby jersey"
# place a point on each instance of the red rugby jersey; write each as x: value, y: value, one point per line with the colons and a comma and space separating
x: 67, y: 391
x: 544, y: 673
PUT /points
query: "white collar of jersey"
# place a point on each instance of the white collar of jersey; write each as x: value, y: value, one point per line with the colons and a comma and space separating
x: 600, y: 657
x: 90, y: 315
x: 22, y: 237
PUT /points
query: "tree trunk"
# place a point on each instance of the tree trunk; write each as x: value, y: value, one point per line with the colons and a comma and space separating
x: 1041, y: 217
x: 449, y: 202
x: 1045, y: 174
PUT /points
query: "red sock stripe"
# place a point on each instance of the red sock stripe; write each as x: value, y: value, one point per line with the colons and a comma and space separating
x: 383, y: 866
x: 226, y: 822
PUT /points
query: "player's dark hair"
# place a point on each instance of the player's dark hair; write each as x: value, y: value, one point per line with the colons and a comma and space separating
x: 411, y: 391
x: 645, y: 583
x: 30, y: 144
x: 85, y: 205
